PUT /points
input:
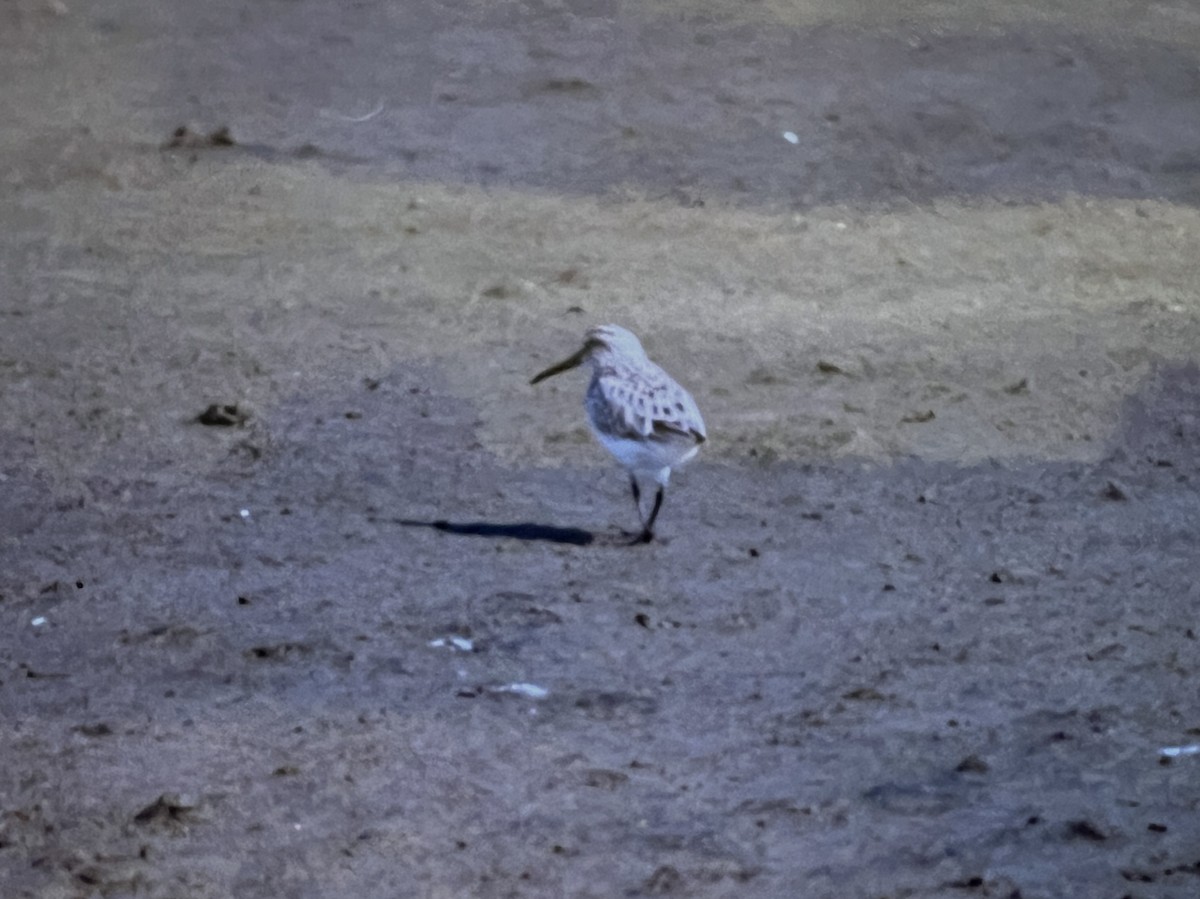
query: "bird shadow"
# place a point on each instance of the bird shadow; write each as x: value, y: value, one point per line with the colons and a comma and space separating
x: 524, y: 530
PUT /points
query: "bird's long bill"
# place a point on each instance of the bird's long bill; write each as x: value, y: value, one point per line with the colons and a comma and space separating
x: 558, y: 368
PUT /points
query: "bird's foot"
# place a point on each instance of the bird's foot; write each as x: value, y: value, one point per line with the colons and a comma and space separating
x: 646, y: 536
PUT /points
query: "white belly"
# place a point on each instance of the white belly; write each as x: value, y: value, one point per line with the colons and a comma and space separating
x: 652, y: 458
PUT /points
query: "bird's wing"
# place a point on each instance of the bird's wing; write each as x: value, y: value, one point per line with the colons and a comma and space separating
x: 645, y: 405
x: 684, y: 415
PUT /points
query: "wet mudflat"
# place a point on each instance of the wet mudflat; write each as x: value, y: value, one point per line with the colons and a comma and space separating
x: 306, y: 593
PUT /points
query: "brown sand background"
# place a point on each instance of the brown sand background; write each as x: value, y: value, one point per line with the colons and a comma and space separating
x: 923, y: 612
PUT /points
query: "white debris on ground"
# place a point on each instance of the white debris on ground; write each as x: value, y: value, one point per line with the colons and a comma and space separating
x: 533, y: 691
x: 454, y: 642
x: 1171, y: 752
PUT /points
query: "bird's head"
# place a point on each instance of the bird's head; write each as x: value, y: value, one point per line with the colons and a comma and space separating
x: 603, y: 341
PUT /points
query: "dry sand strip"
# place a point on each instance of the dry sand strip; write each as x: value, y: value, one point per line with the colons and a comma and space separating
x: 961, y: 331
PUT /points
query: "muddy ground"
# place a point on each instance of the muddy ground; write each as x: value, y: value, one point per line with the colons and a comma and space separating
x: 921, y: 618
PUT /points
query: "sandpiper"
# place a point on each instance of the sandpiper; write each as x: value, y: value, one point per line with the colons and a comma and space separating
x: 638, y: 411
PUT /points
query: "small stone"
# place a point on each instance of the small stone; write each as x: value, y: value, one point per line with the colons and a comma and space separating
x: 1114, y: 492
x: 167, y: 807
x: 1086, y: 830
x: 223, y: 415
x: 972, y: 764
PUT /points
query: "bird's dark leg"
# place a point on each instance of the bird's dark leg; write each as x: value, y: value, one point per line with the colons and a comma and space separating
x: 648, y: 530
x: 637, y: 495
